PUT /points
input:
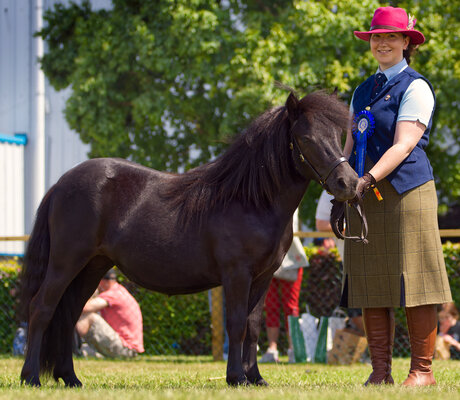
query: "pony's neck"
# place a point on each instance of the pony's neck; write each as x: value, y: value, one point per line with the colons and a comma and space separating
x: 291, y: 195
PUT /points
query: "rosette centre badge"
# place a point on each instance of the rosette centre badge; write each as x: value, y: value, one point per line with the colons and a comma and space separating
x: 363, y: 124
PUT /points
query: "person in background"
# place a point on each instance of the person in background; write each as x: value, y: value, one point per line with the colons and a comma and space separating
x: 323, y: 224
x: 449, y: 331
x: 403, y: 264
x: 111, y: 322
x: 287, y: 293
x: 322, y: 220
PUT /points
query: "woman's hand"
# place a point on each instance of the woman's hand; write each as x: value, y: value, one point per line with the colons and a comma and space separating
x: 366, y: 182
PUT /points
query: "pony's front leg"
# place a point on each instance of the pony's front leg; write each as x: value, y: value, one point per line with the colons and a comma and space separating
x: 236, y: 290
x: 256, y: 305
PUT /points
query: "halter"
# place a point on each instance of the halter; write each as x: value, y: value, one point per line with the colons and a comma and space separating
x: 338, y: 216
x: 356, y: 203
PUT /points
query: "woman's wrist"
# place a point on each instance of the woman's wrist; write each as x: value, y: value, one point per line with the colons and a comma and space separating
x: 369, y: 178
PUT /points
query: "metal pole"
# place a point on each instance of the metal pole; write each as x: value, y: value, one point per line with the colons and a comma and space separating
x: 35, y: 150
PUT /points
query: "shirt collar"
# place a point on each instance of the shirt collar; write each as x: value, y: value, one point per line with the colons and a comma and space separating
x: 391, y: 72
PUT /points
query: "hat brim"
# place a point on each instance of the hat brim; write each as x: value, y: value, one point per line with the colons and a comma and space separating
x: 415, y: 36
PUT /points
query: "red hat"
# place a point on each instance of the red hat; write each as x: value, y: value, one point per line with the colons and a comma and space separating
x: 390, y: 19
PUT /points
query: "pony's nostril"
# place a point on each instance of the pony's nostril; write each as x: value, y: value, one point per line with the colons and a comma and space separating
x: 341, y: 183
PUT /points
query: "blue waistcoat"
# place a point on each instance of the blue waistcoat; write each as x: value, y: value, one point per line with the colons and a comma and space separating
x: 416, y: 169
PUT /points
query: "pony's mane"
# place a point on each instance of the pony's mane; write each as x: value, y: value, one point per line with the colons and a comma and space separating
x: 252, y: 170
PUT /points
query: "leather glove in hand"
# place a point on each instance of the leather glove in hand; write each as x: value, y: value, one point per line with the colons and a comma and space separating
x: 366, y: 182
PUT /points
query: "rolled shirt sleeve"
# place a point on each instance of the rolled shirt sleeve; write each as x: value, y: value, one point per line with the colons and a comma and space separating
x: 417, y: 103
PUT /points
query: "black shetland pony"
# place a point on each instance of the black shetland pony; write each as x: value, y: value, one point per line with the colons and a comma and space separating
x: 228, y: 222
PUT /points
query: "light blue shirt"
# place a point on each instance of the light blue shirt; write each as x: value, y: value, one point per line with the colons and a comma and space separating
x: 417, y: 103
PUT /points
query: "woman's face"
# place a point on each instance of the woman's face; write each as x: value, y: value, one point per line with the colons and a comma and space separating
x: 445, y: 321
x: 387, y: 48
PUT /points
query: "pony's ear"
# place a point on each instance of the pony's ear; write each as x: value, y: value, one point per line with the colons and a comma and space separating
x: 292, y: 106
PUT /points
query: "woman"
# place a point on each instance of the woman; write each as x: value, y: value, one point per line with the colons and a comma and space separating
x: 403, y: 264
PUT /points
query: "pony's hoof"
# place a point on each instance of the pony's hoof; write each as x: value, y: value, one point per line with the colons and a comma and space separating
x: 70, y: 379
x: 261, y: 382
x: 31, y: 381
x: 258, y: 381
x: 240, y: 381
x: 73, y: 383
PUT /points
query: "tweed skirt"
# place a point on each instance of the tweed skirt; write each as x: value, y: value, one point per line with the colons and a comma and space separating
x: 403, y: 264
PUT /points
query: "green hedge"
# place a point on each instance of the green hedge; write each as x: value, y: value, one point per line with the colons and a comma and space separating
x: 181, y: 324
x: 172, y: 325
x: 452, y: 258
x: 9, y: 270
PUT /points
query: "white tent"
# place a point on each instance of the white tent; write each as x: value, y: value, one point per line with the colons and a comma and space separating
x: 29, y: 106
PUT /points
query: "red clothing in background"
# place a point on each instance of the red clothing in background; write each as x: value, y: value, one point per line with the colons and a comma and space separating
x: 124, y: 315
x: 288, y: 293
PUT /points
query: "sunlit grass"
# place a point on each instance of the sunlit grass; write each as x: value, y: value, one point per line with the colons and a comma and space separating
x: 200, y: 378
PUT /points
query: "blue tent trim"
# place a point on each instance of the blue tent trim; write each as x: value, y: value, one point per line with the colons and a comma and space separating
x: 18, y: 138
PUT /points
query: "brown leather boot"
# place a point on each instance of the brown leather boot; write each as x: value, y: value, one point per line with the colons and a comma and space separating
x: 379, y: 324
x: 422, y: 324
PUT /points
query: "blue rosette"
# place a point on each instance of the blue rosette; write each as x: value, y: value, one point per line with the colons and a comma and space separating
x: 364, y: 125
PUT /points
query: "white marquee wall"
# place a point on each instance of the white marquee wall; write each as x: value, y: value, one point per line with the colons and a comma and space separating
x: 63, y: 148
x: 12, y: 199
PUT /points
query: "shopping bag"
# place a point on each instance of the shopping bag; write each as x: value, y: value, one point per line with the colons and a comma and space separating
x: 309, y: 325
x: 294, y: 259
x: 348, y: 348
x: 297, y: 339
x: 321, y: 344
x: 315, y: 334
x: 318, y: 333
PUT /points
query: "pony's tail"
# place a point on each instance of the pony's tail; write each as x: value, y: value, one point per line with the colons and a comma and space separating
x: 36, y: 258
x: 35, y: 263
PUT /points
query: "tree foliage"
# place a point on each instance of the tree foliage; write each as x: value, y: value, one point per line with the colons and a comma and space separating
x: 167, y: 82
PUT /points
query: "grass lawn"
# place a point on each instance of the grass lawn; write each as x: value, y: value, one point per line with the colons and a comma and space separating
x: 200, y: 378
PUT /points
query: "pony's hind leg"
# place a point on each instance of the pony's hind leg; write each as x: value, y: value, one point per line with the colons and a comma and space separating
x: 256, y: 305
x: 50, y: 321
x: 82, y: 287
x: 41, y: 311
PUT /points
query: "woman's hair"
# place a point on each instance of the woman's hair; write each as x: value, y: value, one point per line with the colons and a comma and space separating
x: 450, y: 309
x: 409, y: 52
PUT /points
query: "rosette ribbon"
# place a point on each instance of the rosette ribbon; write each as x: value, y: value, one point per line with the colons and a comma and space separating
x: 364, y: 124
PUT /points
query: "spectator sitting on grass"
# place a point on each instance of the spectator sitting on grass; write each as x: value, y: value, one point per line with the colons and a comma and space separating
x: 111, y: 322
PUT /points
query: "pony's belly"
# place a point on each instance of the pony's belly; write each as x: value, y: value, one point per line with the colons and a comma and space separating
x: 168, y: 278
x: 182, y: 290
